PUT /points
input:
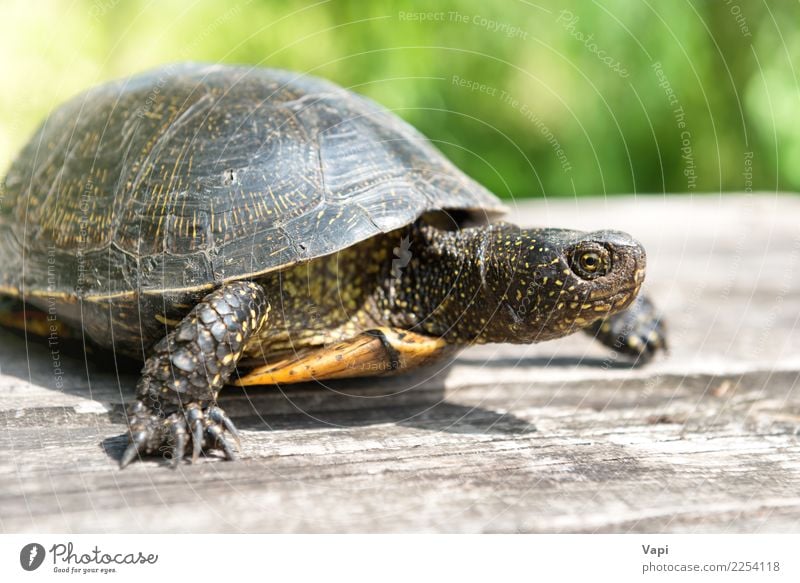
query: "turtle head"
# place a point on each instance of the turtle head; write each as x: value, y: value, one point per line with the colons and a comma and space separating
x: 552, y: 282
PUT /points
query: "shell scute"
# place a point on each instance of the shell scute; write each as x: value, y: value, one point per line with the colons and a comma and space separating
x: 190, y: 175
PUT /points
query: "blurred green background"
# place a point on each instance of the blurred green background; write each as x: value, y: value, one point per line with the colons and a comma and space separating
x: 531, y: 98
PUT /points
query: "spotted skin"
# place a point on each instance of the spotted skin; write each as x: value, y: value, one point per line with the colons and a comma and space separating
x: 501, y: 283
x: 180, y: 381
x: 205, y: 218
x: 349, y: 314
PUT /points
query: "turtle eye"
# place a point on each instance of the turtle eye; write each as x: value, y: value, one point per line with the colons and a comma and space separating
x: 590, y: 263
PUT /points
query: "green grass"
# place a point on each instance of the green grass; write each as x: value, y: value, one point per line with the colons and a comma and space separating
x: 530, y: 98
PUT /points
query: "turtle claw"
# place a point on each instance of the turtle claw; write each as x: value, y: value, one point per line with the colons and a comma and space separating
x: 143, y: 429
x: 219, y: 437
x: 206, y: 429
x: 209, y: 428
x: 135, y: 446
x: 197, y: 441
x: 638, y: 332
x: 219, y: 416
x: 195, y: 417
x: 178, y: 431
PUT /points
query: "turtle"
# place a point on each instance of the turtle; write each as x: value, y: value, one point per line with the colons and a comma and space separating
x: 247, y: 226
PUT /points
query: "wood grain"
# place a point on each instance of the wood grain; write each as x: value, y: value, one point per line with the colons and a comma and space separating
x: 548, y: 438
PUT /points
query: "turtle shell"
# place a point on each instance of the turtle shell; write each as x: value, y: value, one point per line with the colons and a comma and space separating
x: 191, y: 175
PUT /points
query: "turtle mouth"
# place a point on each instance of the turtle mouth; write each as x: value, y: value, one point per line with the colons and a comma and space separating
x: 616, y: 300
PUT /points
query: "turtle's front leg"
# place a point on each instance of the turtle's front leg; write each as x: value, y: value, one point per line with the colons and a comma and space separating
x: 178, y: 389
x: 637, y: 332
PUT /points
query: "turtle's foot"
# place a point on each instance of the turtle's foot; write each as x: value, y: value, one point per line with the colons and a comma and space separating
x: 638, y: 332
x: 186, y: 370
x: 201, y: 428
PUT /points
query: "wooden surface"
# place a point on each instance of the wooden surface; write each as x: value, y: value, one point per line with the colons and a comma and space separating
x: 547, y: 438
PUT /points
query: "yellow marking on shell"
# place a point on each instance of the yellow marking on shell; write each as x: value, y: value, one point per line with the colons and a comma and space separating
x: 167, y: 321
x: 558, y: 282
x: 560, y: 305
x: 602, y: 308
x: 227, y: 359
x: 43, y: 292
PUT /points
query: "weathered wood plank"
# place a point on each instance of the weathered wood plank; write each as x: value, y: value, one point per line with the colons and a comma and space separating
x: 547, y: 438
